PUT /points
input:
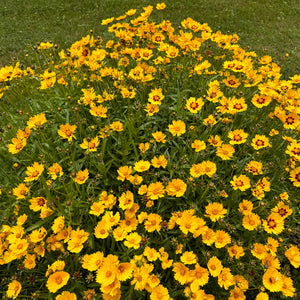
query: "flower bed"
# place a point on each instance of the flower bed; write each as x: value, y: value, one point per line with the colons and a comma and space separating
x: 160, y: 164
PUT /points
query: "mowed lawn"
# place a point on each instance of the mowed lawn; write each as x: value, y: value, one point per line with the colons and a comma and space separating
x: 269, y: 26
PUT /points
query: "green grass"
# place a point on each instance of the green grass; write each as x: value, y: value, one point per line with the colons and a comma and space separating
x: 268, y: 24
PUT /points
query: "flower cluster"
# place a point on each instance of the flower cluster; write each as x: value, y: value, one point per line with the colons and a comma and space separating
x: 159, y: 164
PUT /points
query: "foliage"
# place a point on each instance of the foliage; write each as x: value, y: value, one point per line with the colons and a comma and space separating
x: 159, y: 164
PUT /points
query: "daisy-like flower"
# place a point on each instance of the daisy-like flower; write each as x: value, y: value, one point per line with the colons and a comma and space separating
x: 159, y: 137
x: 225, y: 151
x: 155, y: 190
x: 116, y: 126
x: 57, y: 280
x: 156, y: 96
x: 21, y: 191
x: 293, y: 255
x: 66, y: 131
x: 176, y: 188
x: 34, y: 172
x: 214, y: 266
x: 14, y: 289
x: 82, y: 176
x: 225, y: 278
x: 251, y: 221
x: 66, y: 295
x: 260, y: 141
x: 17, y: 145
x: 272, y: 280
x: 254, y: 167
x: 194, y: 105
x: 160, y: 161
x: 242, y: 182
x: 295, y: 176
x: 133, y: 240
x: 236, y: 251
x: 55, y: 171
x: 238, y: 136
x: 142, y: 166
x: 274, y: 223
x: 198, y: 145
x: 36, y: 121
x: 90, y: 144
x: 245, y: 207
x: 177, y: 128
x: 215, y: 211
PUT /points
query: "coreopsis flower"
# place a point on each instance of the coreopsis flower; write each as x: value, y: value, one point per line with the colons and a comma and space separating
x: 153, y: 222
x: 254, y: 167
x: 66, y: 131
x: 251, y: 221
x: 133, y: 240
x: 47, y: 79
x: 160, y: 161
x: 37, y: 120
x: 225, y: 151
x: 159, y: 137
x: 236, y: 251
x: 283, y: 210
x: 34, y: 172
x: 151, y: 254
x: 126, y: 200
x: 222, y: 239
x: 194, y: 105
x: 58, y: 224
x: 45, y: 45
x: 261, y: 100
x: 199, y: 277
x: 198, y: 145
x: 142, y: 166
x: 82, y: 176
x: 260, y: 141
x: 101, y: 230
x: 29, y: 261
x: 215, y: 141
x: 124, y: 271
x: 274, y: 223
x: 92, y: 262
x: 90, y: 144
x: 124, y: 172
x: 288, y: 288
x: 116, y: 126
x: 215, y: 211
x: 225, y: 278
x: 55, y: 171
x: 214, y: 266
x: 37, y: 235
x: 160, y: 6
x: 57, y: 280
x: 144, y: 147
x: 65, y: 295
x: 237, y: 294
x: 156, y: 96
x: 272, y: 280
x: 295, y: 176
x: 188, y: 258
x: 99, y: 111
x: 262, y: 296
x: 208, y: 236
x: 21, y: 191
x: 14, y: 289
x: 270, y: 262
x: 151, y: 109
x: 182, y: 274
x: 17, y: 145
x: 245, y: 207
x: 242, y: 182
x: 210, y: 121
x: 155, y: 190
x: 177, y: 128
x: 238, y: 136
x: 293, y: 255
x: 176, y: 188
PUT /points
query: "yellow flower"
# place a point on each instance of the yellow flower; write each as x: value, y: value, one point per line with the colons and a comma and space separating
x: 55, y: 171
x: 21, y: 191
x: 238, y: 136
x: 133, y: 240
x: 176, y: 188
x: 272, y: 280
x: 65, y: 295
x: 225, y: 278
x: 274, y: 223
x: 251, y: 221
x: 245, y: 207
x: 242, y: 182
x: 194, y: 105
x: 81, y: 176
x: 222, y: 239
x: 142, y: 166
x: 293, y: 255
x: 36, y: 121
x: 236, y: 251
x: 160, y: 6
x: 198, y: 145
x: 67, y: 131
x: 214, y: 266
x: 160, y: 161
x: 116, y: 126
x: 260, y: 141
x: 188, y: 258
x: 295, y: 177
x: 159, y: 137
x: 34, y: 172
x: 90, y: 144
x: 57, y: 280
x: 92, y: 262
x: 215, y: 211
x: 155, y: 190
x: 144, y: 147
x: 177, y: 128
x: 225, y: 151
x: 156, y: 96
x: 17, y: 145
x: 14, y: 289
